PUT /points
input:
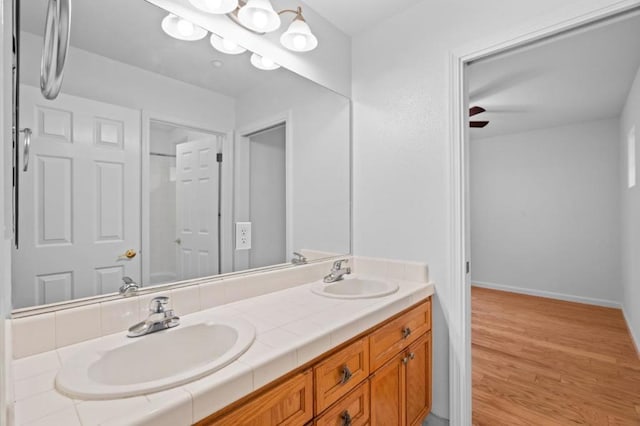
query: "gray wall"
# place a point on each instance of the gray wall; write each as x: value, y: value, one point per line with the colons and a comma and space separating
x: 267, y: 202
x: 545, y: 211
x: 631, y: 215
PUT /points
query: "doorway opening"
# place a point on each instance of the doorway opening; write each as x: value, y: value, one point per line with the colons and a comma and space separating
x: 546, y: 214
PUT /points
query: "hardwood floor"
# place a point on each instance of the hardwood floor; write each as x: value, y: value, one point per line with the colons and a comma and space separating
x: 539, y: 361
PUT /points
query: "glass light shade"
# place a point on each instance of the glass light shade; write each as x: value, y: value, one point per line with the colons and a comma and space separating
x: 215, y: 6
x: 227, y: 46
x: 299, y: 37
x: 263, y: 63
x: 258, y: 15
x: 182, y: 29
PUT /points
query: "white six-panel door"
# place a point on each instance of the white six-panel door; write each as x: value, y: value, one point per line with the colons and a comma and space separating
x: 197, y: 208
x: 79, y: 199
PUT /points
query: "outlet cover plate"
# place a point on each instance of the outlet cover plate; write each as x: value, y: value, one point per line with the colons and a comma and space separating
x: 243, y: 235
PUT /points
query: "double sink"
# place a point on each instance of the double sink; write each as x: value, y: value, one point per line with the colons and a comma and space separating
x: 175, y: 356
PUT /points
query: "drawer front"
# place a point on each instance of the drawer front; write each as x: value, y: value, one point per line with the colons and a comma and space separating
x: 393, y: 337
x: 340, y: 373
x: 352, y: 410
x: 289, y: 403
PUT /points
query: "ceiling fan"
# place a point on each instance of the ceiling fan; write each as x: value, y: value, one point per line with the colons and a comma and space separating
x: 475, y: 110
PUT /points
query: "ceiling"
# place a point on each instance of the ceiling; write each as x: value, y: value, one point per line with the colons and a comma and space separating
x: 581, y: 76
x: 129, y: 31
x: 355, y: 16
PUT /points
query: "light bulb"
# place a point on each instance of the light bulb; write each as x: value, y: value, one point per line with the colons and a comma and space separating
x: 260, y: 18
x: 268, y: 63
x: 185, y: 28
x: 213, y: 4
x: 299, y: 41
x: 229, y: 44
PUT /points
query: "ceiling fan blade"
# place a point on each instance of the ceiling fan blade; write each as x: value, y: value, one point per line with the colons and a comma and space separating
x: 475, y: 110
x: 478, y: 124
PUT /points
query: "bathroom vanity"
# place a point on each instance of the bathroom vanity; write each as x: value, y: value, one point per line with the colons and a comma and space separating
x: 314, y: 358
x: 380, y: 377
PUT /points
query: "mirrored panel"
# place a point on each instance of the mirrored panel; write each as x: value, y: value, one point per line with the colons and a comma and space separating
x: 164, y: 160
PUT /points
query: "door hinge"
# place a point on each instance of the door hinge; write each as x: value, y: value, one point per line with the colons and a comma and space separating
x: 219, y: 157
x: 468, y: 267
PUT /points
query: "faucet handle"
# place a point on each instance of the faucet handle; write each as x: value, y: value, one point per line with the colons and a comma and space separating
x: 337, y: 265
x: 158, y: 304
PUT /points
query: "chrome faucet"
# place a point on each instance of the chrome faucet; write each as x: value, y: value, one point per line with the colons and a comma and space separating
x: 298, y: 258
x: 160, y: 318
x: 129, y: 288
x: 337, y: 271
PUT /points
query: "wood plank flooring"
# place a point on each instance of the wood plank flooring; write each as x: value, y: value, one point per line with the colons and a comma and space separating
x: 539, y: 361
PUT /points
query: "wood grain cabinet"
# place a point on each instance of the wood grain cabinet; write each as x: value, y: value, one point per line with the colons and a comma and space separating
x: 381, y: 377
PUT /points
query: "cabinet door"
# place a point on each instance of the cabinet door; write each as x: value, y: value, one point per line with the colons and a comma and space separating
x: 418, y: 381
x: 352, y: 409
x: 387, y: 393
x: 289, y: 403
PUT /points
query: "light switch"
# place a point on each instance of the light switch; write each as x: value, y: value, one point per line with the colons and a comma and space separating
x: 243, y: 235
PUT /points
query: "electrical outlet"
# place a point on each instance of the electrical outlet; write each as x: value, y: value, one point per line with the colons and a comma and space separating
x: 243, y: 235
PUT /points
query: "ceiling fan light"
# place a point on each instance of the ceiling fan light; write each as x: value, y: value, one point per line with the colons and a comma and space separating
x: 299, y: 37
x: 258, y: 15
x: 225, y: 45
x: 215, y: 6
x: 263, y: 63
x: 182, y: 29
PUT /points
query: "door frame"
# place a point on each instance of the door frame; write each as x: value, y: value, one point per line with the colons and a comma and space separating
x: 148, y: 117
x: 459, y: 297
x: 286, y: 118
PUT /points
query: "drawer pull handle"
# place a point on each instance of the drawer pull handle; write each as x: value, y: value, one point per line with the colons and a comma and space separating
x: 346, y: 418
x: 406, y: 332
x: 412, y: 356
x: 405, y: 360
x: 346, y: 374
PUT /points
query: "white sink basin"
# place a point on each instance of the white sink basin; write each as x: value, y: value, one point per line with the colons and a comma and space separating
x: 157, y: 361
x: 355, y: 288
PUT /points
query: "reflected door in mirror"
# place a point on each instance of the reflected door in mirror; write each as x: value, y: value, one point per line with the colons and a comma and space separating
x: 79, y: 200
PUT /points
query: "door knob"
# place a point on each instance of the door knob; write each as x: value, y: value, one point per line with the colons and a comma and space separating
x: 129, y: 254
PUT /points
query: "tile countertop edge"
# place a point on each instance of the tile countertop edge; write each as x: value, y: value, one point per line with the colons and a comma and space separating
x: 194, y: 401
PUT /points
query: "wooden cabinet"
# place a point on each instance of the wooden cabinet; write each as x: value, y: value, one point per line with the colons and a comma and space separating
x: 397, y: 334
x: 418, y: 380
x: 387, y: 393
x: 381, y: 377
x: 351, y: 410
x: 290, y: 403
x: 339, y: 373
x: 401, y: 389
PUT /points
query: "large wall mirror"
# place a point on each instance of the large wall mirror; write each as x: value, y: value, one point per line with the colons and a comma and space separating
x: 165, y: 160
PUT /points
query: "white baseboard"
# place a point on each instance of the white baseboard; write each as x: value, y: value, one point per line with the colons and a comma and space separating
x: 549, y: 294
x: 634, y: 337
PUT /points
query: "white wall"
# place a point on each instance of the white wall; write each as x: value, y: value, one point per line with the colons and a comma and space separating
x: 95, y: 77
x: 402, y: 194
x: 320, y: 133
x: 545, y: 211
x: 631, y: 215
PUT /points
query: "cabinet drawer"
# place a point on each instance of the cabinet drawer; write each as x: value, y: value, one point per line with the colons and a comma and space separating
x: 289, y: 403
x: 352, y: 410
x: 393, y: 337
x: 340, y: 373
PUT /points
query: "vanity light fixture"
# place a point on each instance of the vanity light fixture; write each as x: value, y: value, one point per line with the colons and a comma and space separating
x: 259, y: 16
x: 182, y: 29
x: 215, y: 6
x: 263, y: 63
x: 298, y: 36
x: 226, y: 45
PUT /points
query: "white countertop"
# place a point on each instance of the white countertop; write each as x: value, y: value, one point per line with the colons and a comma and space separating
x: 293, y: 326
